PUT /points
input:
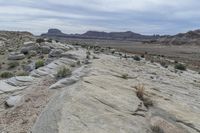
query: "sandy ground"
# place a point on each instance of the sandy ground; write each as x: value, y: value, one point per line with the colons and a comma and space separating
x: 20, y: 119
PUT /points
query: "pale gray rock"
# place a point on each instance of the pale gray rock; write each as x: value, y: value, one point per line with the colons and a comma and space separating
x: 29, y: 43
x: 32, y: 53
x: 14, y: 101
x: 16, y: 56
x: 56, y: 53
x: 45, y: 49
x: 25, y: 50
x: 30, y: 46
x: 103, y: 102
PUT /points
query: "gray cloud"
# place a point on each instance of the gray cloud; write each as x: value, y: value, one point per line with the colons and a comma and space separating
x: 78, y: 16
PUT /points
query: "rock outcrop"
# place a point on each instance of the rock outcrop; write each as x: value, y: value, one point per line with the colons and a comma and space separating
x: 16, y: 56
x: 106, y: 93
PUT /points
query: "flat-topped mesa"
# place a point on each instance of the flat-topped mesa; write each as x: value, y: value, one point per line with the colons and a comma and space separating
x: 128, y: 35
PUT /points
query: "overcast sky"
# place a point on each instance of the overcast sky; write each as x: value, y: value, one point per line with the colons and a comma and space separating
x: 78, y: 16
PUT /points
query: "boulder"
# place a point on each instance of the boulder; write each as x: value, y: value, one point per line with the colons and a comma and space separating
x: 29, y: 44
x: 24, y: 50
x: 45, y: 49
x: 56, y: 53
x: 14, y: 101
x: 29, y: 68
x: 16, y: 56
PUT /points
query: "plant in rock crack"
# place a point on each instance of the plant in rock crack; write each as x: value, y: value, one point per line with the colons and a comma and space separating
x: 156, y: 129
x: 140, y: 92
x: 63, y: 72
x: 124, y: 76
x: 39, y: 64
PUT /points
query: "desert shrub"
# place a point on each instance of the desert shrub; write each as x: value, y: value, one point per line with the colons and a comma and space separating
x: 124, y: 76
x: 40, y: 40
x: 13, y: 64
x: 6, y: 74
x: 180, y: 67
x: 22, y: 73
x: 157, y: 129
x: 136, y: 58
x: 39, y: 64
x: 63, y: 72
x: 140, y: 91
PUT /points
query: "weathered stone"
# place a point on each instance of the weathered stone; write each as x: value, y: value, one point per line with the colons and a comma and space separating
x: 16, y: 56
x: 14, y: 101
x: 32, y: 53
x: 56, y: 53
x: 28, y: 44
x: 45, y: 49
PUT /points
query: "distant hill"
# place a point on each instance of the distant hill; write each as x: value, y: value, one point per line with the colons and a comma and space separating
x: 128, y: 35
x: 189, y: 38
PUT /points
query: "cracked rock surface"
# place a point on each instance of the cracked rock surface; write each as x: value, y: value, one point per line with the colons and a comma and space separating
x: 100, y: 96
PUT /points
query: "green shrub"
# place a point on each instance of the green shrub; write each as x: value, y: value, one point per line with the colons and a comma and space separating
x: 180, y: 67
x: 63, y: 72
x: 136, y: 58
x: 39, y: 64
x: 6, y: 74
x: 13, y: 64
x: 22, y: 73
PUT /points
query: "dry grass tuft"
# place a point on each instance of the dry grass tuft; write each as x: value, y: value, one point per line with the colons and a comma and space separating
x: 124, y: 76
x: 157, y: 129
x: 140, y: 91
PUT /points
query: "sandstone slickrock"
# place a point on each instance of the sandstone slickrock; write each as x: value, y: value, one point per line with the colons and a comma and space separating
x: 104, y: 102
x: 95, y: 98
